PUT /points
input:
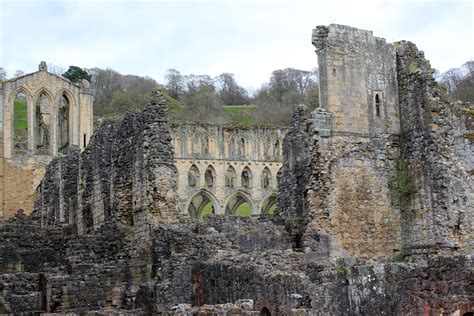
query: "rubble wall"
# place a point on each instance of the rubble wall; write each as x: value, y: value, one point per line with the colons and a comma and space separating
x: 438, y: 206
x: 127, y: 167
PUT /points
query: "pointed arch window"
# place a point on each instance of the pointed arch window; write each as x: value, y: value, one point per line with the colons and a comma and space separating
x: 63, y: 122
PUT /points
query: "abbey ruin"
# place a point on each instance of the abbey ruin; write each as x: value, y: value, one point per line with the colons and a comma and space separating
x: 374, y: 205
x: 41, y: 114
x: 221, y: 165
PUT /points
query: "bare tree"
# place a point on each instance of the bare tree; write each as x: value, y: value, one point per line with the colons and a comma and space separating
x: 3, y: 74
x: 229, y: 91
x: 18, y: 73
x: 174, y: 83
x: 56, y: 69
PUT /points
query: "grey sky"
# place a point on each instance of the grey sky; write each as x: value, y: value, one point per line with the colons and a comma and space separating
x: 247, y: 38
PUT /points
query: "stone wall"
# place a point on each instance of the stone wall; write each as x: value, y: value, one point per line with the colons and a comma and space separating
x: 22, y: 168
x: 358, y: 79
x: 367, y: 192
x: 128, y: 168
x: 370, y: 222
x: 437, y: 210
x: 220, y: 260
x: 226, y: 151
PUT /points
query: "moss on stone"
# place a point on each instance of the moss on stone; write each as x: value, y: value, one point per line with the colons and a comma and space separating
x: 404, y: 182
x: 467, y: 111
x: 414, y: 67
x: 401, y: 256
x: 470, y: 136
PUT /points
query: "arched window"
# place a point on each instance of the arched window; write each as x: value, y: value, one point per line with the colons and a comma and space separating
x: 232, y: 148
x: 265, y: 311
x: 63, y: 122
x: 193, y: 177
x: 246, y: 178
x: 241, y: 148
x: 266, y: 148
x: 377, y: 104
x: 209, y: 177
x: 42, y: 130
x: 239, y: 204
x: 266, y: 178
x: 196, y: 145
x: 230, y: 177
x: 20, y: 123
x: 201, y: 205
x: 205, y: 145
x: 276, y: 149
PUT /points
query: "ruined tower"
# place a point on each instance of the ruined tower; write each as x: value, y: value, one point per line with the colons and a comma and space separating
x: 41, y: 115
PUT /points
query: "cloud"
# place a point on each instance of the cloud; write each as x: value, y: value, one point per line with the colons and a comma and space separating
x: 247, y: 38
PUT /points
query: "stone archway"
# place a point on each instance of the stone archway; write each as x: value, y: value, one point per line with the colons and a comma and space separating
x: 202, y: 203
x: 42, y: 118
x: 240, y: 204
x: 268, y: 204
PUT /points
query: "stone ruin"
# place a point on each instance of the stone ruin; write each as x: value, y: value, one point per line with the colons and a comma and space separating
x: 374, y: 215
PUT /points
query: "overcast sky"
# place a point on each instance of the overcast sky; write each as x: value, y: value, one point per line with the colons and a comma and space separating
x: 247, y: 38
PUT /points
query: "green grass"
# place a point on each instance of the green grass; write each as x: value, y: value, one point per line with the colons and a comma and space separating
x: 175, y: 107
x: 243, y: 210
x: 242, y: 114
x: 20, y: 112
x: 272, y: 209
x: 205, y: 211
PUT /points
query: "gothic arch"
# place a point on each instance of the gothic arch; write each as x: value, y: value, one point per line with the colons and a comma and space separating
x: 246, y: 178
x: 210, y: 177
x: 230, y: 177
x: 22, y: 89
x: 266, y: 178
x: 199, y: 201
x: 64, y: 107
x: 268, y: 203
x: 42, y: 121
x: 277, y: 149
x: 20, y: 137
x: 45, y: 91
x: 68, y: 94
x: 194, y: 177
x: 237, y: 199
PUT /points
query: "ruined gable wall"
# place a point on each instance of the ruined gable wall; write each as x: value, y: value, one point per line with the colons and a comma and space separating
x: 438, y: 207
x: 95, y: 172
x: 351, y: 198
x: 354, y: 66
x: 126, y: 174
x: 346, y: 205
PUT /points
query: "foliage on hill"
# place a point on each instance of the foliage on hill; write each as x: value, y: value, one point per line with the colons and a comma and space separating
x: 203, y: 98
x: 459, y: 82
x: 76, y: 74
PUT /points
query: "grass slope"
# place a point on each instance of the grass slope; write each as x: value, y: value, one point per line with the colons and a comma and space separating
x: 21, y: 118
x: 242, y: 114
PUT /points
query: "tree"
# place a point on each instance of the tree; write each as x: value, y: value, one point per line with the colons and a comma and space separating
x: 286, y: 89
x: 18, y: 73
x: 56, y: 69
x: 229, y: 91
x: 174, y: 83
x: 76, y: 74
x: 3, y: 74
x: 459, y: 82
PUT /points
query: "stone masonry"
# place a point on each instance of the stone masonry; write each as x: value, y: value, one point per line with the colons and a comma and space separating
x: 374, y: 210
x: 226, y: 165
x: 47, y: 132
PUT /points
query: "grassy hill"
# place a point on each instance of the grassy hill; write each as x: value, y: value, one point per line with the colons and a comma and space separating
x: 242, y: 114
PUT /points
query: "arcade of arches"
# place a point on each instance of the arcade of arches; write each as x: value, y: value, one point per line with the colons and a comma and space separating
x: 41, y: 114
x: 222, y: 169
x: 227, y: 169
